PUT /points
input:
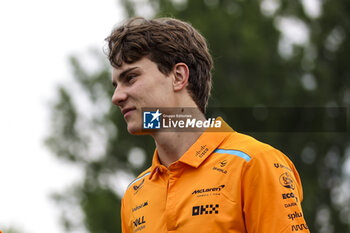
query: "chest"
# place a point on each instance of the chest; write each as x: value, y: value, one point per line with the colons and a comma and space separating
x: 207, y: 200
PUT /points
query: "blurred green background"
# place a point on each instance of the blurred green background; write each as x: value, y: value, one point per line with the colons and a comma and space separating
x: 266, y: 53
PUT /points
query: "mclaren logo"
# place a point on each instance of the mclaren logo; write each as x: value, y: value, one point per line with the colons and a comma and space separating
x: 215, y: 189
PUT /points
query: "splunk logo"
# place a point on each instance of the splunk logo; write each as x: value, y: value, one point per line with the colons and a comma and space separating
x: 295, y: 215
x: 205, y: 209
x: 215, y: 189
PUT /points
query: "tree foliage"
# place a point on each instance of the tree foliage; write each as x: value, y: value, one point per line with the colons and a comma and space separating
x: 255, y: 65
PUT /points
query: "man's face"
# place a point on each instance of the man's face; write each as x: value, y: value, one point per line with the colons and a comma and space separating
x: 140, y: 85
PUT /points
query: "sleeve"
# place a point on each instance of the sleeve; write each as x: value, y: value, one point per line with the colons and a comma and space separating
x: 272, y: 195
x: 124, y: 224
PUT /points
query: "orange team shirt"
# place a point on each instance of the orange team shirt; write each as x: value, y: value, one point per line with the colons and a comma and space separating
x: 225, y: 182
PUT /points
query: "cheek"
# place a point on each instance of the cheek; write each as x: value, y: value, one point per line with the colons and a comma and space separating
x: 137, y: 90
x: 154, y: 92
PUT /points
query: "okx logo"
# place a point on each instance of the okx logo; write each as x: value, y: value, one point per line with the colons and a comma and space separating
x: 151, y: 120
x: 205, y: 209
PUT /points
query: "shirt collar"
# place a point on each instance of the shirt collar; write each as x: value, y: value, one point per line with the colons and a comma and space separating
x: 200, y: 150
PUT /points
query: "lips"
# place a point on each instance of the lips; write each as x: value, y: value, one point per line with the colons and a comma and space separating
x: 125, y: 111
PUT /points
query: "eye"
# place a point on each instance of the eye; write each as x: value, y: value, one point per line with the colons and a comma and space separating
x: 130, y: 77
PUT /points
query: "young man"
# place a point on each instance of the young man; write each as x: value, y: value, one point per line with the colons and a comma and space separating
x: 212, y: 181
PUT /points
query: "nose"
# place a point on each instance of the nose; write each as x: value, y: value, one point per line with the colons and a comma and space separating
x: 119, y: 96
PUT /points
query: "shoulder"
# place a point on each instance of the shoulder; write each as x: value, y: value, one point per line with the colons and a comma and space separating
x: 136, y: 183
x: 249, y: 147
x: 265, y: 161
x: 254, y: 152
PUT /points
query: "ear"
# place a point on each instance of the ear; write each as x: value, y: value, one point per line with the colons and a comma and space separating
x: 181, y: 75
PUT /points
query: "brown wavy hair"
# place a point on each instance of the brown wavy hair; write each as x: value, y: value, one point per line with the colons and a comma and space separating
x: 165, y: 41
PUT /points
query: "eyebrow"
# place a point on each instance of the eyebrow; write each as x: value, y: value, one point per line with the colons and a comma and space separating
x: 123, y: 74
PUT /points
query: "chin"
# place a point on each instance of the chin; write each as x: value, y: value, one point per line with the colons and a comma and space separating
x: 134, y: 130
x: 137, y: 131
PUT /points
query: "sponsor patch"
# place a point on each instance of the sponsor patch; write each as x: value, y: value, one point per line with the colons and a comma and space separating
x: 290, y: 205
x: 223, y: 163
x: 139, y: 186
x: 202, y: 151
x: 139, y: 224
x: 140, y: 206
x: 205, y: 209
x: 208, y: 190
x: 295, y: 215
x: 299, y: 227
x: 286, y: 180
x: 289, y: 195
x: 280, y: 165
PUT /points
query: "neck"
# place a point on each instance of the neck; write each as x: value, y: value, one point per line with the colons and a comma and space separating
x: 172, y: 145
